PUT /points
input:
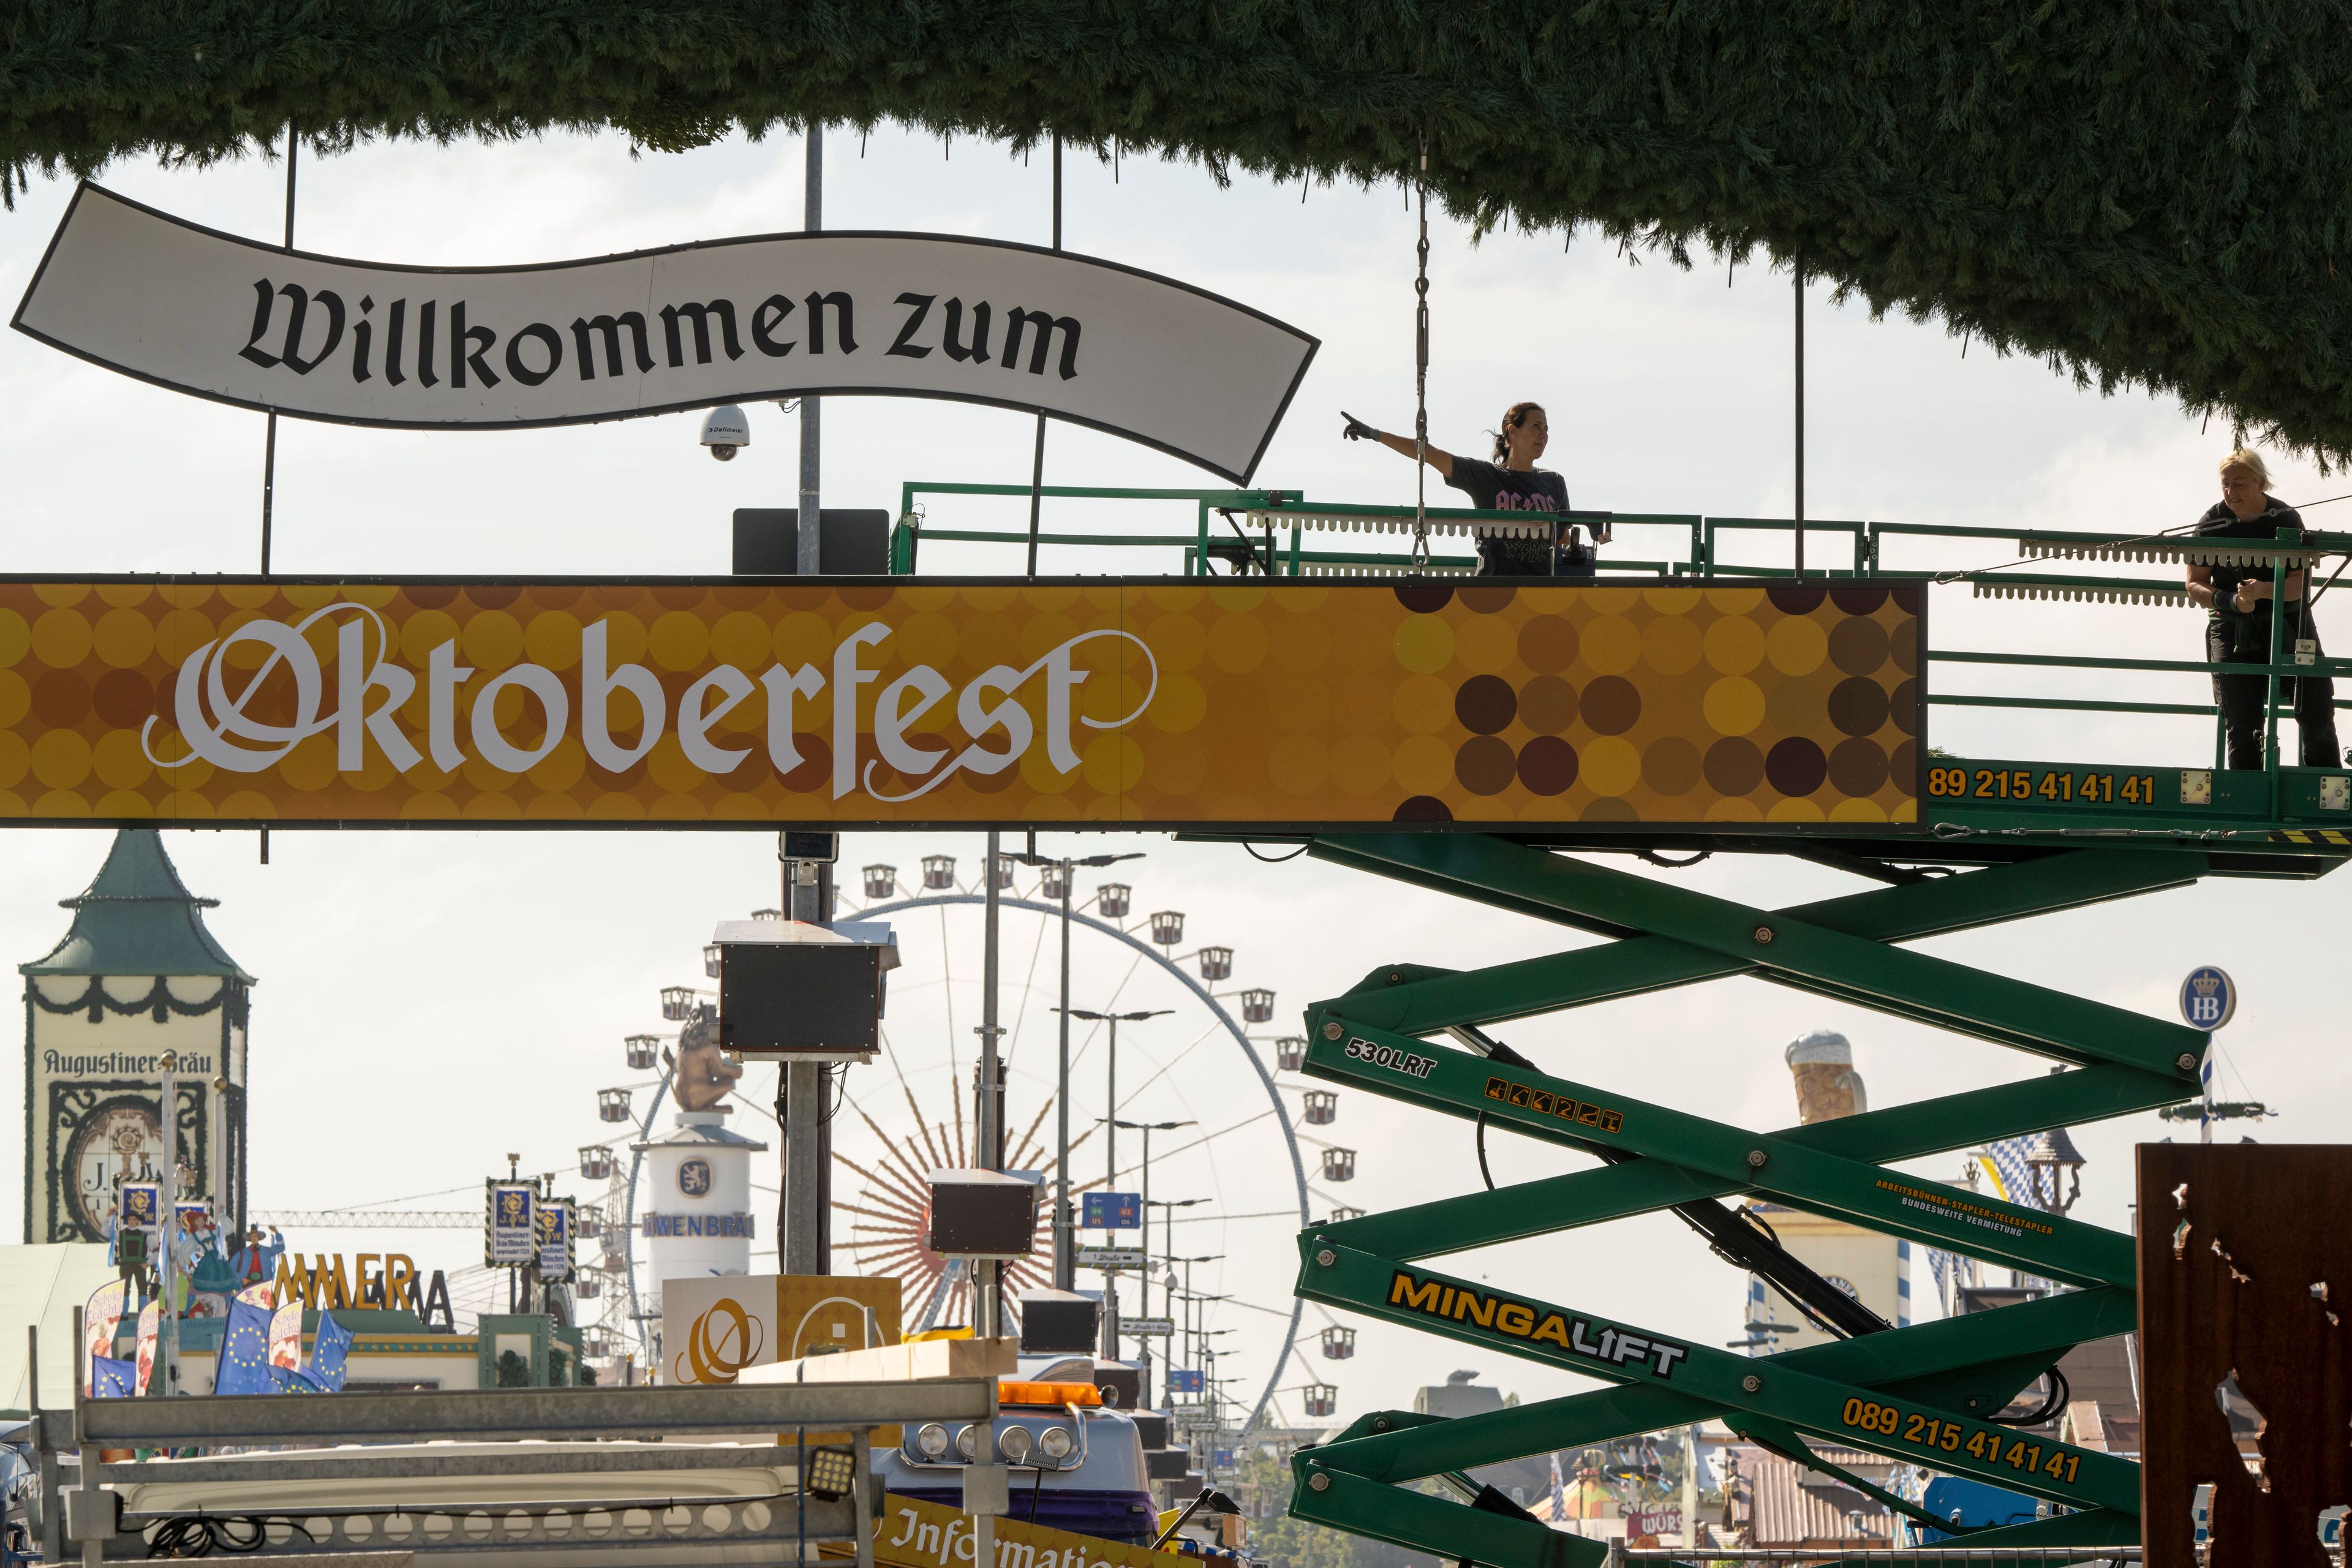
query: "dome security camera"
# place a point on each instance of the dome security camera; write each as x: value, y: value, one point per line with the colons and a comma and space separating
x: 725, y: 430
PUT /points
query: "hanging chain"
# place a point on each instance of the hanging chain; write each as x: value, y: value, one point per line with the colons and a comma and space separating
x: 1421, y: 376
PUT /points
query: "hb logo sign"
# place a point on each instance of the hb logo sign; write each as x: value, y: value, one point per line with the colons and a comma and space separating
x: 2208, y: 998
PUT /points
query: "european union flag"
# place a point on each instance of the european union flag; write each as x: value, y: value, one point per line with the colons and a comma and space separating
x: 113, y: 1379
x: 244, y: 1365
x: 287, y: 1380
x: 331, y: 1346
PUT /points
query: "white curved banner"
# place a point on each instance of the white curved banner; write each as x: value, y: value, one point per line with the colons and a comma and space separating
x: 687, y: 326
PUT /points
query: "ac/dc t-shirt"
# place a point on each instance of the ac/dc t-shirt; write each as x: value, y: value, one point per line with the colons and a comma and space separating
x: 1493, y: 488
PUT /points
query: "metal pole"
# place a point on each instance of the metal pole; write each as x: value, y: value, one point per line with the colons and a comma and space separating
x: 805, y: 1130
x: 269, y: 441
x: 990, y: 1115
x: 1690, y: 1488
x: 1066, y: 1271
x: 217, y: 1137
x: 1110, y: 1164
x: 812, y: 512
x: 1143, y: 1292
x: 1801, y: 414
x: 1037, y: 465
x: 165, y: 1378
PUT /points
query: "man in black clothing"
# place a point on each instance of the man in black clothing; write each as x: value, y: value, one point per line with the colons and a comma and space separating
x: 2241, y: 614
x: 1511, y: 482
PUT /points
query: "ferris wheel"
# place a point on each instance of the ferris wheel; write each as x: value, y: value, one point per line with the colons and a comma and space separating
x: 910, y: 1112
x: 1183, y: 1027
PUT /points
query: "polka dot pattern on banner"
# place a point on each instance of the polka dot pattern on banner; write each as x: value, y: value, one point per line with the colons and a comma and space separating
x: 1167, y: 701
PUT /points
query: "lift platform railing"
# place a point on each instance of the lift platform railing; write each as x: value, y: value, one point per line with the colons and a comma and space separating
x: 1278, y: 533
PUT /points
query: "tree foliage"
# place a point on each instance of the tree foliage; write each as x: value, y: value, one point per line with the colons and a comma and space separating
x: 2145, y: 191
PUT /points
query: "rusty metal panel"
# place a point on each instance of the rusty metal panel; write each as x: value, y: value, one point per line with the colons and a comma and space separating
x: 2245, y: 1279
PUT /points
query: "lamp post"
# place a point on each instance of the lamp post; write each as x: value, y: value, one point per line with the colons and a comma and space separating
x: 1191, y: 1329
x: 167, y: 1335
x: 1168, y: 1281
x: 1110, y: 1143
x: 1110, y: 1090
x: 1147, y: 1128
x: 1057, y: 884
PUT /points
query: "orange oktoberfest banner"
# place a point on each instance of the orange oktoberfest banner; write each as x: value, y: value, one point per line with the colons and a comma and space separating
x: 908, y: 701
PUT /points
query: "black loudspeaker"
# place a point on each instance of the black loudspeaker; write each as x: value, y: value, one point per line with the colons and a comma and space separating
x: 800, y: 996
x: 981, y: 1213
x: 1059, y: 1323
x: 1151, y: 1428
x: 1168, y: 1465
x: 850, y: 541
x: 1190, y: 1486
x: 1121, y: 1384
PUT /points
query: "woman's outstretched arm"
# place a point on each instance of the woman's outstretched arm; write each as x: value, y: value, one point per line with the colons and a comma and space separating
x: 1437, y: 458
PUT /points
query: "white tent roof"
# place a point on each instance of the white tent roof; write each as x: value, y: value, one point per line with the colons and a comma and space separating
x: 43, y: 1285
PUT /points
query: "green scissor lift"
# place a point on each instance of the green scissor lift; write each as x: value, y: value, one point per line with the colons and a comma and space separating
x: 1997, y: 841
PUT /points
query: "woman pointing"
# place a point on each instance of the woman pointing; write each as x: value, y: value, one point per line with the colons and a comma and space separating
x: 1511, y: 482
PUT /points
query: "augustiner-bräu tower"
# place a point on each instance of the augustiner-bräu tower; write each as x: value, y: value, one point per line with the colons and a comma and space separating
x: 136, y: 976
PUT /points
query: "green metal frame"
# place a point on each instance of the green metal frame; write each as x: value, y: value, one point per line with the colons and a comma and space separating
x: 1919, y: 1393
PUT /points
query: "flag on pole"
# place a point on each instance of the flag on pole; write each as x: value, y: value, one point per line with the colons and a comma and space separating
x: 1559, y: 1494
x: 331, y: 1348
x: 100, y: 1317
x: 151, y: 1324
x: 244, y: 1365
x: 286, y: 1336
x: 112, y: 1378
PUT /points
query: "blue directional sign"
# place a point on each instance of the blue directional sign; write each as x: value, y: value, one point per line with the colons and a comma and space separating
x: 1182, y: 1382
x: 1113, y: 1211
x: 2208, y: 998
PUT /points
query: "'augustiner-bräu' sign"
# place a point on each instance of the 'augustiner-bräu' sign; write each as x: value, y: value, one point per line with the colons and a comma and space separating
x: 684, y: 327
x: 904, y: 701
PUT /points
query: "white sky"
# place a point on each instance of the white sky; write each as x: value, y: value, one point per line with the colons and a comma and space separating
x: 429, y: 1001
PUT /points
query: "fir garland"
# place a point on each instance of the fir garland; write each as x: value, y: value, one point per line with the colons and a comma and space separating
x: 2145, y: 193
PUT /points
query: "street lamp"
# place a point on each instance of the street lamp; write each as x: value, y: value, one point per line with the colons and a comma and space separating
x: 1110, y: 1140
x: 1167, y: 1280
x: 1056, y: 883
x: 1147, y: 1128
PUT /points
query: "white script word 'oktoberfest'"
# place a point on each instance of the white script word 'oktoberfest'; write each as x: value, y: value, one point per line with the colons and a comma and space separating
x: 370, y: 688
x: 687, y: 326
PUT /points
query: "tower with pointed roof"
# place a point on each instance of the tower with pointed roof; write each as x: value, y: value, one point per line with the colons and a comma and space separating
x: 136, y: 977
